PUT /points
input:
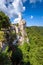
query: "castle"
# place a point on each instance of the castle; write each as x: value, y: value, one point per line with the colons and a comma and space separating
x: 20, y: 31
x: 21, y: 34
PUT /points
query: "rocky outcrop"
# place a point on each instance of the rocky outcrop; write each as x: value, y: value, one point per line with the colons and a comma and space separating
x: 20, y: 31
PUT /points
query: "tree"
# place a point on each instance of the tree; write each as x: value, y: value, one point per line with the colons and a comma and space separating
x: 4, y: 59
x: 4, y: 20
x: 35, y: 35
x: 16, y: 56
x: 25, y: 50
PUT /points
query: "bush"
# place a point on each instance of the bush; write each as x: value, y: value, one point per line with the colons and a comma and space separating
x: 4, y: 59
x: 25, y: 50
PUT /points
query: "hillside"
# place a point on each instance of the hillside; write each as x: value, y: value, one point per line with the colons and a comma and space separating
x: 32, y: 53
x: 35, y: 35
x: 33, y: 31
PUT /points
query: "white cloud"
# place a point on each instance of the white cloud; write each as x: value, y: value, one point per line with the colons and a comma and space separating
x: 34, y: 1
x: 24, y: 0
x: 18, y: 6
x: 31, y: 17
x: 15, y: 20
x: 18, y: 19
x: 14, y: 7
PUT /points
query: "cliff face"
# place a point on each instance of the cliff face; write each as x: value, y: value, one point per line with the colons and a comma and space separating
x: 20, y: 31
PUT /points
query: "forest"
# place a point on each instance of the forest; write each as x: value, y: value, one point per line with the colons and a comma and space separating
x: 27, y: 54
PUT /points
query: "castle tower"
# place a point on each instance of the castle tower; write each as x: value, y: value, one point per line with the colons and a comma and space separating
x: 22, y: 25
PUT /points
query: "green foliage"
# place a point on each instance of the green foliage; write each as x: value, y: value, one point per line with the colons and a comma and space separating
x: 4, y: 20
x: 16, y: 55
x: 35, y: 35
x: 39, y: 55
x: 36, y: 56
x: 13, y: 35
x: 1, y: 36
x: 25, y: 50
x: 4, y: 59
x: 26, y: 54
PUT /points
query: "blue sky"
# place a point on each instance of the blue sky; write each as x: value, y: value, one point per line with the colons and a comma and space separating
x: 33, y: 13
x: 30, y: 10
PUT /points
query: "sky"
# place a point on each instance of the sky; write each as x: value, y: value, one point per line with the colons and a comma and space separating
x: 30, y: 10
